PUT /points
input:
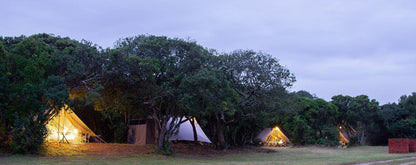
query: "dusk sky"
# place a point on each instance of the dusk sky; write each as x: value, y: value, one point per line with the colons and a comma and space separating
x: 348, y: 47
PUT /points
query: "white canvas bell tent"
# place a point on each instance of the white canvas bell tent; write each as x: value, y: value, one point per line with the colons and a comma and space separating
x: 273, y: 137
x: 66, y: 126
x: 186, y: 132
x: 144, y: 132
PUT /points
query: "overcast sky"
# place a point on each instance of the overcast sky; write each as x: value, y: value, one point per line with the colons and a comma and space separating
x: 348, y: 47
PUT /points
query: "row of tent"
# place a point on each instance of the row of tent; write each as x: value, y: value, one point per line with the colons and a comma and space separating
x: 67, y: 127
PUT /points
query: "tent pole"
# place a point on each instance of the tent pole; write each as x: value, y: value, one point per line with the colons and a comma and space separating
x: 59, y: 125
x: 63, y: 128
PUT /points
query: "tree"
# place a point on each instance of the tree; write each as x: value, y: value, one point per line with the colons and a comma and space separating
x: 208, y: 93
x: 157, y: 66
x: 30, y: 90
x: 408, y: 103
x: 311, y: 121
x: 170, y: 79
x: 356, y: 114
x: 400, y: 119
x: 303, y: 93
x: 37, y: 73
x: 252, y: 76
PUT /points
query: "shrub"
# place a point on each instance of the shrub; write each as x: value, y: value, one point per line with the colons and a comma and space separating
x: 27, y: 135
x: 4, y: 138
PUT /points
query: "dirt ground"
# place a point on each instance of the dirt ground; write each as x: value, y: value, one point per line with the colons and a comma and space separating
x: 111, y: 149
x: 95, y: 149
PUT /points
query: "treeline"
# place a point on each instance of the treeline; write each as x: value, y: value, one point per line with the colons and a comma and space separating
x: 233, y: 95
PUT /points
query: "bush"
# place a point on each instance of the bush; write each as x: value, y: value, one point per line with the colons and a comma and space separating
x: 257, y: 141
x: 27, y: 135
x: 4, y: 138
x: 353, y: 141
x: 326, y: 142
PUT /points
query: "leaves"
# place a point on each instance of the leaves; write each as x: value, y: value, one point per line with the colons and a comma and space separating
x: 143, y: 75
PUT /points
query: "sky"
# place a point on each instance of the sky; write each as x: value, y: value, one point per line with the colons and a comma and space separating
x: 348, y: 47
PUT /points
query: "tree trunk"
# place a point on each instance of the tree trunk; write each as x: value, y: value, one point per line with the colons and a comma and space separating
x: 194, y: 129
x: 220, y: 135
x: 361, y: 134
x: 362, y: 138
x: 161, y: 142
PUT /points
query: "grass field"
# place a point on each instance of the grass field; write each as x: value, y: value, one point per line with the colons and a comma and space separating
x: 296, y: 155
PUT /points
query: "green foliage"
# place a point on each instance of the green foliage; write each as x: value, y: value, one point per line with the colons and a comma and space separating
x: 165, y: 149
x: 233, y: 96
x: 207, y: 92
x: 329, y: 137
x: 32, y: 83
x: 27, y: 135
x: 357, y: 115
x: 4, y: 138
x: 30, y: 88
x: 258, y: 80
x: 303, y: 93
x: 404, y: 128
x: 116, y: 124
x: 400, y: 119
x: 299, y: 130
x: 147, y: 71
x: 310, y: 121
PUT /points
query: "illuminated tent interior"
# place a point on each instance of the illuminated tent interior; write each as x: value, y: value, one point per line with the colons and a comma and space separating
x: 273, y: 137
x: 345, y: 134
x: 343, y: 138
x: 67, y: 127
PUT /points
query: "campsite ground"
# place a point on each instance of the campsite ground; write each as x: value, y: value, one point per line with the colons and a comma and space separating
x: 189, y: 154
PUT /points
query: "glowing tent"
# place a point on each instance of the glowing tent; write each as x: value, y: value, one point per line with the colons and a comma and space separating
x: 343, y: 138
x: 345, y: 133
x: 67, y: 127
x: 273, y: 137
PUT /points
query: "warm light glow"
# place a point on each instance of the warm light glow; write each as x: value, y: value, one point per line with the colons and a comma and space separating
x: 71, y: 134
x: 62, y: 128
x: 276, y: 138
x: 65, y: 131
x: 340, y: 127
x: 70, y: 137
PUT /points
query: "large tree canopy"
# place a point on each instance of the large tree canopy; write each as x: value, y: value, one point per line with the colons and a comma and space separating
x: 36, y: 73
x: 234, y: 95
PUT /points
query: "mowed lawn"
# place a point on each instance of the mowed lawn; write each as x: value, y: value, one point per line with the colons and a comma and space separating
x: 115, y: 154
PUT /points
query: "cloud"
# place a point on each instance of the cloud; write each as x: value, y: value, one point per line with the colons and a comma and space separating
x: 384, y: 77
x: 347, y: 46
